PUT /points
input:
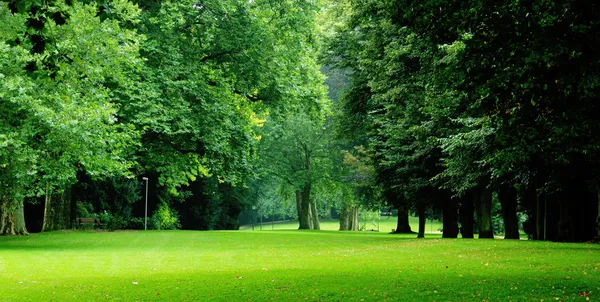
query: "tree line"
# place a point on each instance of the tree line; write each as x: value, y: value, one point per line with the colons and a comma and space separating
x: 97, y: 94
x: 436, y: 108
x: 461, y: 102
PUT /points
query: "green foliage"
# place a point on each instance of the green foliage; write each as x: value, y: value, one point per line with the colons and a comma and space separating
x: 84, y: 209
x: 112, y: 221
x: 59, y: 112
x: 165, y: 218
x: 467, y: 95
x: 211, y: 70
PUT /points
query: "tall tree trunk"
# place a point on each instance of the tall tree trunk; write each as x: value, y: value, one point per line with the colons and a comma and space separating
x: 565, y: 222
x: 508, y: 200
x: 483, y: 205
x: 466, y: 217
x: 349, y: 218
x: 306, y: 209
x: 529, y: 201
x: 344, y: 218
x: 315, y: 215
x: 539, y: 218
x: 310, y: 215
x: 57, y: 211
x: 422, y: 220
x: 450, y: 219
x: 12, y: 218
x: 302, y: 213
x: 354, y: 219
x: 403, y: 226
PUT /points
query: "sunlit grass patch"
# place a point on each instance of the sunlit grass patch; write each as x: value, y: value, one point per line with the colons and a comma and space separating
x: 291, y: 265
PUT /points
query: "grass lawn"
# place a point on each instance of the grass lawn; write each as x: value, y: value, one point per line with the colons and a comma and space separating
x: 291, y: 265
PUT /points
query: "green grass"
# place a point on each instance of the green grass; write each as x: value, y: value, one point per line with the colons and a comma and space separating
x: 291, y: 265
x: 386, y: 224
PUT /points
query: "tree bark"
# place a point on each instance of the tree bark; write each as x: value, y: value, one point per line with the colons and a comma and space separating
x: 483, y: 205
x: 565, y: 223
x: 302, y: 212
x: 307, y: 212
x: 344, y: 218
x: 349, y: 218
x: 310, y: 217
x: 422, y: 220
x: 450, y: 219
x: 466, y: 217
x: 57, y: 211
x: 354, y: 219
x: 12, y: 218
x: 508, y: 200
x: 315, y: 215
x: 539, y: 219
x: 403, y: 226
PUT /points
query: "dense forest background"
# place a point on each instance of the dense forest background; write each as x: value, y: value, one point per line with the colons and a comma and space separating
x: 481, y: 114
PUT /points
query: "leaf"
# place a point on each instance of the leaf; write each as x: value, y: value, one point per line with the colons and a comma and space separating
x: 134, y: 282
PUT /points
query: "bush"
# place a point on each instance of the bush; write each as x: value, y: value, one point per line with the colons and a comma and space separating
x: 165, y: 218
x: 137, y: 223
x: 84, y: 209
x: 113, y: 221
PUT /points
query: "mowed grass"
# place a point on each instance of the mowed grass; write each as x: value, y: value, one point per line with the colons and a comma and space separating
x: 291, y: 266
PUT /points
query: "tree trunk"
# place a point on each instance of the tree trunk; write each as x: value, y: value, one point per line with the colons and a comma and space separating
x: 450, y: 219
x: 12, y: 218
x: 403, y: 226
x: 508, y: 199
x: 422, y: 220
x: 466, y: 217
x: 354, y: 219
x: 315, y: 215
x: 529, y: 202
x: 344, y: 218
x: 303, y: 214
x: 349, y: 218
x: 539, y: 219
x: 57, y: 211
x: 483, y: 205
x: 307, y: 212
x: 565, y: 223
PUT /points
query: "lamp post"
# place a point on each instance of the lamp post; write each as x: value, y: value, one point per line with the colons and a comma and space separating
x: 146, y: 207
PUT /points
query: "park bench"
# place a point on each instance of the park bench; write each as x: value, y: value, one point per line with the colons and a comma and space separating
x: 88, y: 221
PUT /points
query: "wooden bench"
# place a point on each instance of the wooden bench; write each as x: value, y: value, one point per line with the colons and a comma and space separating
x: 87, y: 221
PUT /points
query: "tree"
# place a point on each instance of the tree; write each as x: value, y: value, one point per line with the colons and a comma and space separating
x: 61, y: 110
x: 295, y: 151
x: 213, y: 69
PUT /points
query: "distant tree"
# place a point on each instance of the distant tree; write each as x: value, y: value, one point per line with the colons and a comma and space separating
x: 295, y: 151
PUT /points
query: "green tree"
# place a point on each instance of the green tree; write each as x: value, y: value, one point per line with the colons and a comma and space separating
x: 212, y: 69
x: 60, y: 110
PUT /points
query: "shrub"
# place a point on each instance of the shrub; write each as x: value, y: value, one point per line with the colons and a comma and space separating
x: 113, y: 221
x: 165, y: 218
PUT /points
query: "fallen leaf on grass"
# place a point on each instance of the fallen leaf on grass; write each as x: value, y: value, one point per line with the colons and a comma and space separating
x: 134, y: 282
x: 239, y: 277
x: 584, y: 294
